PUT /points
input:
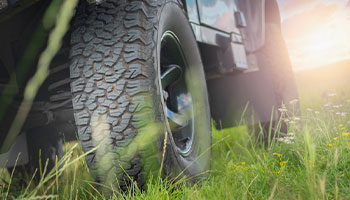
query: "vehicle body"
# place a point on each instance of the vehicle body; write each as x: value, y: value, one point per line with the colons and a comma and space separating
x: 228, y: 33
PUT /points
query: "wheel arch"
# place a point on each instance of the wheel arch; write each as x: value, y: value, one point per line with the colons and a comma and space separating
x: 272, y: 12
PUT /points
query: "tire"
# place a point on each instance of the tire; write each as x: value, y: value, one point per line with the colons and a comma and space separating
x: 274, y: 62
x: 122, y: 53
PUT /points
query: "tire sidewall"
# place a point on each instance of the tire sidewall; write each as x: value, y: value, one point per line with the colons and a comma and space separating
x: 197, y: 161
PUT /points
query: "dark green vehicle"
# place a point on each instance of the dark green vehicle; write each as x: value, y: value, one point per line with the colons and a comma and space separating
x: 138, y: 82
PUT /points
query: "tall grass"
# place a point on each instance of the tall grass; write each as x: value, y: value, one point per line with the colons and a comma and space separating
x: 315, y: 165
x: 54, y: 44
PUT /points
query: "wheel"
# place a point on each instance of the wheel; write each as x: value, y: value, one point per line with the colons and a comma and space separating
x: 44, y: 146
x: 137, y: 84
x: 274, y: 62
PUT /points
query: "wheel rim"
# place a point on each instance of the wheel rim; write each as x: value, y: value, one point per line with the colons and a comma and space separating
x: 176, y: 96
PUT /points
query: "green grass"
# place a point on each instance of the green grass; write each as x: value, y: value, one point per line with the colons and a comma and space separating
x: 315, y: 166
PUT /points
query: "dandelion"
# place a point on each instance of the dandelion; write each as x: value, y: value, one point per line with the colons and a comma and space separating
x: 345, y: 134
x: 283, y: 163
x: 277, y: 154
x: 335, y: 138
x: 243, y: 163
x: 278, y: 172
x: 330, y: 145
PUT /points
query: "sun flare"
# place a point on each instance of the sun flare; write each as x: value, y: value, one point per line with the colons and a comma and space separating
x: 317, y: 35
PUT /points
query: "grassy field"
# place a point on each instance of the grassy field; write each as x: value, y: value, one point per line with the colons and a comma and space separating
x: 313, y: 163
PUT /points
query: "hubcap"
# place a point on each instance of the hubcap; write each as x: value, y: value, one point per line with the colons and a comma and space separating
x: 177, y: 99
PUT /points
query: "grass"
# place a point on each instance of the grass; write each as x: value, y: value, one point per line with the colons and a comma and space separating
x: 315, y: 166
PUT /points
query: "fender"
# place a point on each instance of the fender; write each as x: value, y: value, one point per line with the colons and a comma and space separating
x: 254, y: 33
x: 257, y: 14
x: 205, y: 14
x: 247, y: 97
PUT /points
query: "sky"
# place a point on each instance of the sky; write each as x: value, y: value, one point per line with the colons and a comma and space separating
x: 317, y: 32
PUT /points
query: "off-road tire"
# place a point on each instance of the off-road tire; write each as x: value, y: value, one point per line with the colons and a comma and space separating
x: 117, y: 96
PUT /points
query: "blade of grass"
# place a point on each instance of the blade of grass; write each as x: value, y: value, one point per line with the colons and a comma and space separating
x: 54, y: 44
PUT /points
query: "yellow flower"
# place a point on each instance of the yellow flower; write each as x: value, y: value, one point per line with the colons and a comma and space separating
x: 340, y: 125
x: 335, y: 138
x: 283, y: 163
x: 314, y: 165
x: 330, y: 145
x: 278, y: 155
x: 277, y: 172
x: 243, y: 163
x: 345, y: 134
x: 295, y: 182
